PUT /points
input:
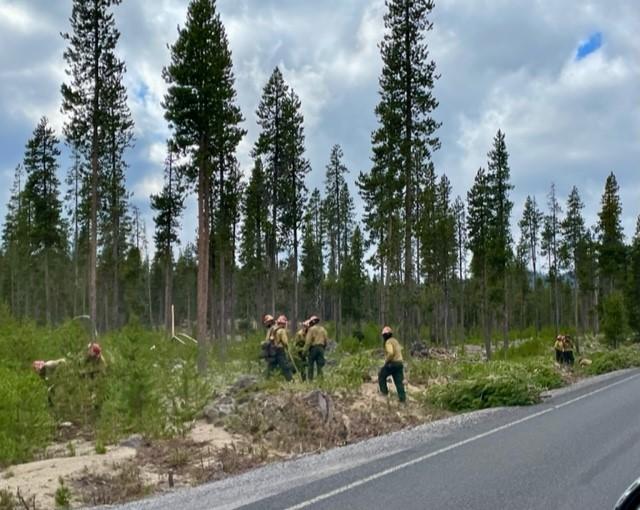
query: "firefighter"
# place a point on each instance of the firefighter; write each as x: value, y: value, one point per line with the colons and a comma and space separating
x: 315, y: 345
x: 393, y: 365
x: 267, y: 347
x: 299, y: 352
x: 280, y: 341
x: 94, y: 360
x: 567, y: 345
x: 559, y: 348
x: 45, y: 370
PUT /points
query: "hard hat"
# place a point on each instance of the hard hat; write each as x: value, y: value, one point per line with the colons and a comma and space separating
x: 267, y: 319
x: 38, y: 365
x: 94, y: 350
x: 387, y: 330
x: 282, y: 320
x: 313, y: 319
x: 305, y: 324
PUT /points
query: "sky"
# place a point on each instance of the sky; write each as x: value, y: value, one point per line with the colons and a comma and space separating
x: 561, y: 79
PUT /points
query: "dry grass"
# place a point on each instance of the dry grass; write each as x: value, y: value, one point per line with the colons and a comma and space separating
x: 126, y: 483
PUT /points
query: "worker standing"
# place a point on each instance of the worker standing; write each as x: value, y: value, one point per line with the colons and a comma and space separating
x: 280, y: 345
x: 299, y: 352
x: 315, y: 345
x: 393, y: 365
x: 567, y: 345
x: 559, y: 348
x: 94, y: 360
x: 268, y: 348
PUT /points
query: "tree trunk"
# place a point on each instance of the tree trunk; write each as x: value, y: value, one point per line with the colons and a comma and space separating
x: 485, y: 315
x: 222, y: 332
x: 168, y: 287
x: 203, y: 260
x: 47, y: 299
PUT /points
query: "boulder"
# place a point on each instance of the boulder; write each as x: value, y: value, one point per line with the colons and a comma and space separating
x: 242, y: 383
x: 321, y: 402
x: 133, y: 441
x: 218, y: 408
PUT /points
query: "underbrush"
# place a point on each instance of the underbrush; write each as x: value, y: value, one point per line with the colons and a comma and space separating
x: 470, y: 386
x: 608, y: 361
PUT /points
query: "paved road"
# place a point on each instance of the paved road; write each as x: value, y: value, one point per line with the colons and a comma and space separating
x: 578, y: 450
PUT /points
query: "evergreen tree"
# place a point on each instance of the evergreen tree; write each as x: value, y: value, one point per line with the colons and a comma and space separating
x: 337, y: 213
x: 479, y: 221
x: 530, y: 227
x: 255, y: 214
x: 168, y: 204
x: 611, y: 248
x: 312, y: 272
x: 118, y: 137
x: 461, y: 240
x: 406, y: 136
x: 354, y: 279
x: 550, y: 244
x: 573, y: 233
x: 633, y: 285
x: 294, y: 190
x: 201, y: 105
x: 498, y: 176
x: 90, y: 59
x: 270, y: 147
x: 42, y: 192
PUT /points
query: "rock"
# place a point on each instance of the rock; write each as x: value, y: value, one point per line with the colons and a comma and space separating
x: 218, y: 408
x: 585, y: 362
x: 242, y: 383
x: 322, y: 402
x: 134, y: 441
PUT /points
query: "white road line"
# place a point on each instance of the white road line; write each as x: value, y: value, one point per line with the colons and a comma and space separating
x: 422, y: 458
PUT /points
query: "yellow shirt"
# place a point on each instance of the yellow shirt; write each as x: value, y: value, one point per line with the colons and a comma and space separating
x: 270, y: 333
x: 392, y: 350
x: 280, y: 338
x: 316, y: 335
x: 300, y: 337
x: 559, y: 345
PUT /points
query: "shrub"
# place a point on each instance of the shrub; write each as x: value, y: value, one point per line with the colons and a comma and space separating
x: 25, y: 422
x: 603, y: 362
x: 614, y: 318
x: 63, y: 496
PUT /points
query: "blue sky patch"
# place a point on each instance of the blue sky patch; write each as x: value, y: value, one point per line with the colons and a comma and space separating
x: 589, y: 46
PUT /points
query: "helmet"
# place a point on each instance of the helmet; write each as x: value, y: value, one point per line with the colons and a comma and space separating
x: 282, y: 321
x: 560, y: 337
x: 94, y: 350
x: 313, y: 320
x: 387, y: 330
x: 38, y: 365
x: 267, y: 319
x: 305, y: 324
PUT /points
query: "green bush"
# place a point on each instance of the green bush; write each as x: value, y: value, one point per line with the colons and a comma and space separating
x: 25, y: 422
x: 609, y: 361
x: 614, y: 318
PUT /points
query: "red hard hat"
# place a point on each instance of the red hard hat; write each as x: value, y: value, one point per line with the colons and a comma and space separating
x: 387, y: 330
x: 282, y: 320
x: 95, y: 350
x: 38, y: 365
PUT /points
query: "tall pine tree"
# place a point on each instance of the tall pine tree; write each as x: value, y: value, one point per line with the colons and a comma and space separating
x: 201, y: 106
x: 530, y: 228
x: 611, y: 248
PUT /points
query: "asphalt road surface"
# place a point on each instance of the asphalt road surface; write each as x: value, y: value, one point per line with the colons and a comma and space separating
x: 580, y: 449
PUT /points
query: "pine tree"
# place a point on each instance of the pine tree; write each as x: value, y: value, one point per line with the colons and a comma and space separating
x: 611, y: 250
x: 90, y: 57
x: 168, y: 204
x: 337, y: 213
x: 201, y: 105
x: 461, y: 240
x: 354, y: 278
x: 270, y: 146
x: 479, y: 221
x: 633, y: 285
x: 550, y: 244
x: 294, y: 190
x: 312, y: 272
x: 530, y: 227
x: 255, y: 214
x: 118, y: 135
x: 498, y: 176
x: 573, y: 233
x: 42, y: 192
x: 407, y: 129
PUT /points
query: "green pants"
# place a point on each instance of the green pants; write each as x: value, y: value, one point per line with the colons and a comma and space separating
x: 316, y: 358
x: 394, y: 369
x: 280, y: 361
